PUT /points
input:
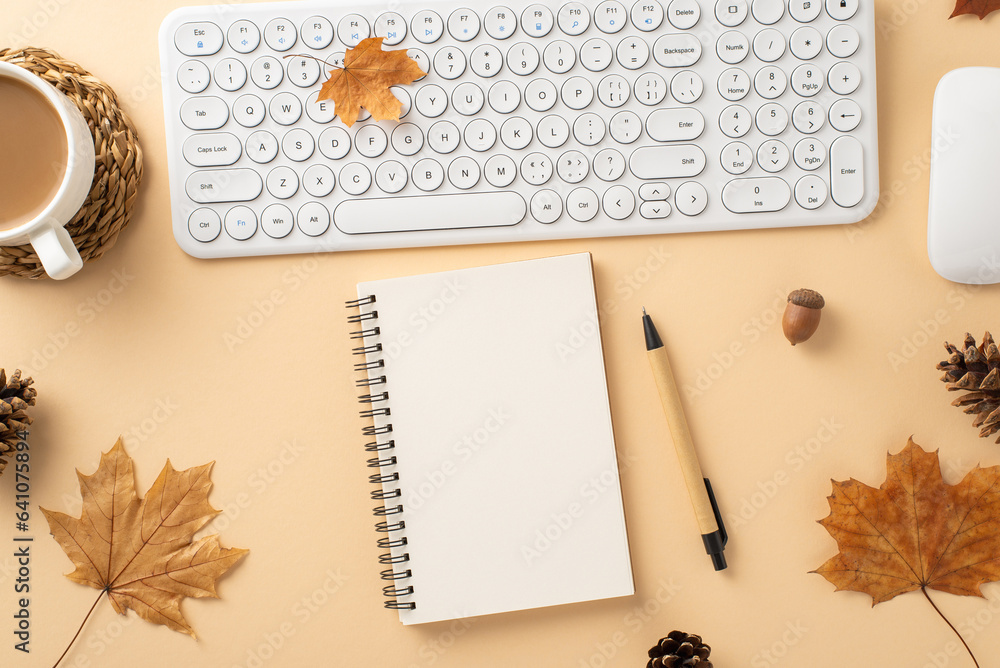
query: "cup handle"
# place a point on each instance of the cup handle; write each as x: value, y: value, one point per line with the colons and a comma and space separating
x: 55, y: 249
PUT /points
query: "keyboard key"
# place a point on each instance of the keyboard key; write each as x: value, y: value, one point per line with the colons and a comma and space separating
x: 654, y: 210
x: 353, y: 28
x: 371, y: 141
x: 559, y: 57
x: 262, y: 147
x: 632, y: 53
x: 804, y: 11
x: 734, y: 84
x: 809, y: 154
x: 573, y: 167
x: 610, y: 16
x: 769, y: 45
x: 504, y: 97
x: 198, y: 39
x: 266, y: 72
x: 334, y: 143
x: 193, y: 76
x: 500, y: 171
x: 667, y: 162
x: 515, y: 133
x: 282, y: 182
x: 577, y: 93
x: 771, y: 119
x: 215, y: 149
x: 426, y: 26
x: 317, y: 32
x: 390, y: 177
x: 686, y: 87
x: 522, y: 59
x: 596, y: 55
x: 613, y: 91
x: 486, y: 61
x: 654, y: 192
x: 677, y: 50
x: 736, y: 157
x: 647, y: 15
x: 768, y: 12
x: 204, y: 113
x: 431, y: 100
x: 807, y: 80
x: 536, y: 169
x: 279, y: 34
x: 732, y: 13
x: 772, y: 156
x: 355, y: 178
x: 537, y: 21
x: 480, y: 135
x: 463, y: 172
x: 468, y: 99
x: 618, y: 202
x: 230, y: 74
x: 546, y: 206
x: 683, y: 14
x: 285, y: 108
x: 204, y: 225
x: 681, y: 124
x: 845, y: 78
x: 770, y: 82
x: 303, y: 72
x: 449, y: 62
x: 298, y: 145
x: 553, y: 131
x: 318, y: 181
x: 443, y: 137
x: 756, y: 195
x: 843, y: 40
x: 808, y: 117
x: 436, y: 212
x: 806, y: 43
x: 248, y: 110
x: 407, y: 139
x: 421, y: 59
x: 582, y: 204
x: 392, y: 27
x: 609, y: 165
x: 847, y: 171
x: 463, y: 24
x: 650, y: 89
x: 427, y: 174
x: 313, y: 219
x: 735, y: 121
x: 277, y: 221
x: 845, y: 115
x: 625, y: 127
x: 500, y: 22
x: 732, y: 47
x: 403, y: 96
x: 241, y: 223
x: 840, y: 10
x: 320, y: 111
x: 574, y: 18
x: 540, y: 95
x: 243, y: 36
x: 810, y: 192
x: 691, y: 198
x: 589, y: 129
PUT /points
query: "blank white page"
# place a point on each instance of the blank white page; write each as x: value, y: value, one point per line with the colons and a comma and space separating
x: 505, y: 450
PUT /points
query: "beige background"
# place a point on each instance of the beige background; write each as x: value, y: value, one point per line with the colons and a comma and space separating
x: 137, y: 345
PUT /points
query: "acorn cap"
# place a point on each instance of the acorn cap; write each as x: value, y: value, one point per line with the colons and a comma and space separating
x: 806, y: 297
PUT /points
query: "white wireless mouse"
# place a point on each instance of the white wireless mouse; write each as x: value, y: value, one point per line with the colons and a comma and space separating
x: 963, y: 221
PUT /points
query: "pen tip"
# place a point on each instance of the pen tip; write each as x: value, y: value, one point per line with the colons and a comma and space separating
x: 644, y: 310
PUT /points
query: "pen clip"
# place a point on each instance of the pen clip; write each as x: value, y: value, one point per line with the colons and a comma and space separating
x: 715, y: 511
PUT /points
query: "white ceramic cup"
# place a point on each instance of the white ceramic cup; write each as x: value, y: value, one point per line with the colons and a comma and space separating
x: 46, y: 232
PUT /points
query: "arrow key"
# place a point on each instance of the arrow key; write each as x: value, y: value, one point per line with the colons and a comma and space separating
x: 652, y: 210
x: 654, y: 192
x: 808, y: 117
x: 845, y: 115
x: 691, y: 198
x: 619, y: 202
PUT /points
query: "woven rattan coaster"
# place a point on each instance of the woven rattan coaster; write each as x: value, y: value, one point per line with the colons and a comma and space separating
x: 118, y: 169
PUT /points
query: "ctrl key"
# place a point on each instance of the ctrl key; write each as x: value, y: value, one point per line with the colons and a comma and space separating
x: 241, y: 223
x: 204, y: 225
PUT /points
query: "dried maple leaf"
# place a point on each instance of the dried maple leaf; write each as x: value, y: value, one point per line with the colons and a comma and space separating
x: 978, y: 7
x: 140, y: 551
x: 364, y: 81
x: 915, y: 531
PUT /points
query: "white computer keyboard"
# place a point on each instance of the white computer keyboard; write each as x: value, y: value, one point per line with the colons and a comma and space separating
x: 535, y: 121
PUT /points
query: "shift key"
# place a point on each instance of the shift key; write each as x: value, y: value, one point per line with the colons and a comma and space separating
x: 223, y: 185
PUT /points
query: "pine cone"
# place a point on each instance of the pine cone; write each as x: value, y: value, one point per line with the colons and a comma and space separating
x: 15, y: 396
x: 974, y: 370
x: 679, y: 650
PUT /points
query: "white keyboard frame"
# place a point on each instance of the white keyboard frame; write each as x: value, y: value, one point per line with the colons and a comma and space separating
x: 712, y: 140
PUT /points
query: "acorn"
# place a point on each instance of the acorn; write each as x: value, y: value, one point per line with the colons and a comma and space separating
x: 802, y: 313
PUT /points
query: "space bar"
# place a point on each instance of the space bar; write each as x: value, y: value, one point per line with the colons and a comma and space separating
x: 429, y: 212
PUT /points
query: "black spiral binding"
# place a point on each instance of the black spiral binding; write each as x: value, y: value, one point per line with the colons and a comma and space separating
x: 383, y: 458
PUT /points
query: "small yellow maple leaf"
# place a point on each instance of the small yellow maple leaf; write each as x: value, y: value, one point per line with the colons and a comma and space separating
x: 140, y: 551
x: 364, y: 81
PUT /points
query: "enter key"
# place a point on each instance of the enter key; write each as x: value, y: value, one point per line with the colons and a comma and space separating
x: 847, y: 171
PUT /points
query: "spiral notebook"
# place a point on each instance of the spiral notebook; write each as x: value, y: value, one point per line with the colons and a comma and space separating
x: 493, y: 464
